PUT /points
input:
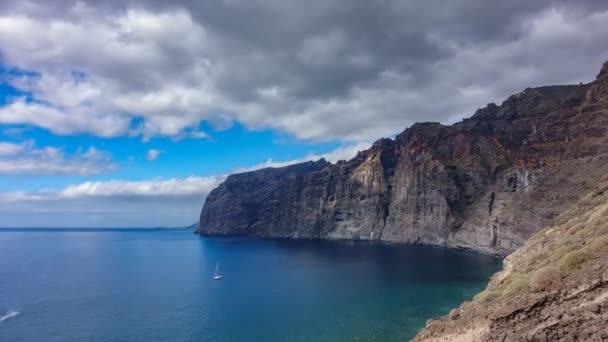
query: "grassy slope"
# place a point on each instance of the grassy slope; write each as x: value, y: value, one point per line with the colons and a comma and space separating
x: 553, y: 288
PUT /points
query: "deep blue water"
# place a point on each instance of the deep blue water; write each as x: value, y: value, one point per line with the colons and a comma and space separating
x: 155, y: 285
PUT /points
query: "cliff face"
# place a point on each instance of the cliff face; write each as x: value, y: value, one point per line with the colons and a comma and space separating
x: 554, y: 288
x: 487, y: 183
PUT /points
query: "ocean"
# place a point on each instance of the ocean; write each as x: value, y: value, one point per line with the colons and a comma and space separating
x: 156, y: 285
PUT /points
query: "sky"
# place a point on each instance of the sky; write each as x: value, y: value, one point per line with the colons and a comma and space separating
x: 128, y: 113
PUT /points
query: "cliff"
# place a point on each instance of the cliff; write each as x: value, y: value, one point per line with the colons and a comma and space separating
x: 554, y: 288
x: 487, y: 183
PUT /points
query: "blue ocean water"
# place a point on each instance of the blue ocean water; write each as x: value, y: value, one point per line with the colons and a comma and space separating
x: 156, y: 285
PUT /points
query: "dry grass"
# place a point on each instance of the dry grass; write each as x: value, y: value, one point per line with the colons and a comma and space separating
x: 554, y: 257
x: 564, y: 248
x: 599, y: 245
x: 537, y: 260
x: 545, y: 278
x: 572, y: 260
x: 516, y: 286
x: 578, y: 235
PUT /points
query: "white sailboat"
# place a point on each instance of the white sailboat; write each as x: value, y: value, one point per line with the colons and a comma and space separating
x: 217, y: 275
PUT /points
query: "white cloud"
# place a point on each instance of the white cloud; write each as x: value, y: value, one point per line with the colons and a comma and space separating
x: 318, y: 72
x: 194, y: 134
x: 10, y: 149
x: 90, y: 87
x: 94, y: 154
x: 26, y: 158
x: 172, y: 202
x: 344, y: 152
x: 199, y: 186
x: 152, y: 154
x: 58, y: 167
x: 115, y: 203
x: 173, y: 187
x: 63, y: 121
x: 310, y: 69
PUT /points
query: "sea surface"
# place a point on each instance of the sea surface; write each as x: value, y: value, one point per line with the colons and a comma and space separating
x: 156, y: 285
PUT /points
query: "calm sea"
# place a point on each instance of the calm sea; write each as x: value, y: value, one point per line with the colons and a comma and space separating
x: 156, y: 285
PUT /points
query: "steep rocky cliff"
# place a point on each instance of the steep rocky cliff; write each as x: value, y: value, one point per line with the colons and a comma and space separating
x: 554, y: 288
x: 487, y: 183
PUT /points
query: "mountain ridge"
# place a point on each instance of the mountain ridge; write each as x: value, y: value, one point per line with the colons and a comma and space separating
x: 486, y: 183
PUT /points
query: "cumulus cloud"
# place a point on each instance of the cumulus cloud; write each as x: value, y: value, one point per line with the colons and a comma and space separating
x: 173, y: 187
x: 345, y: 69
x: 198, y: 186
x: 152, y: 154
x: 115, y: 203
x: 159, y: 187
x: 10, y: 149
x: 26, y: 158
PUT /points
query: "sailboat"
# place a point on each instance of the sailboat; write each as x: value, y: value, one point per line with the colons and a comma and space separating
x: 217, y: 275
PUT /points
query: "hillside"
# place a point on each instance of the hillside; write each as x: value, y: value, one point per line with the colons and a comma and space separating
x: 554, y: 288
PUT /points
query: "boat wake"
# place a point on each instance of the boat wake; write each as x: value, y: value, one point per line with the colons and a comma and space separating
x: 9, y: 315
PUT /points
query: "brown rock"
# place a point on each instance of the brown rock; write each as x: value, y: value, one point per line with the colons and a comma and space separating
x: 487, y: 183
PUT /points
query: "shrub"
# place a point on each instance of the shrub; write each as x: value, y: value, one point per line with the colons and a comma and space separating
x: 515, y: 287
x: 545, y: 278
x: 563, y: 249
x: 572, y: 260
x: 539, y: 257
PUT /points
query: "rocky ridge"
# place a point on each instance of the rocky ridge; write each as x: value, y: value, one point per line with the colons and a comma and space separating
x: 487, y: 183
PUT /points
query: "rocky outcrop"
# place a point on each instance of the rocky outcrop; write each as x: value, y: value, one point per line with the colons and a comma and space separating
x: 487, y: 183
x: 554, y: 288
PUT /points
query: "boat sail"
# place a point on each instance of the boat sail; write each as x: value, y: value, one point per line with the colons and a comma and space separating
x: 217, y: 275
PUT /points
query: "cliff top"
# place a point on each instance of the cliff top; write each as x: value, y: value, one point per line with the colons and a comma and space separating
x: 603, y: 72
x: 293, y: 169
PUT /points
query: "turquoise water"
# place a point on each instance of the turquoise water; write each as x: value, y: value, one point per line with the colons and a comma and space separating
x: 155, y: 285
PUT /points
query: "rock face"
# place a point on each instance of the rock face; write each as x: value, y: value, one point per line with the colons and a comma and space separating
x: 554, y: 288
x: 487, y: 183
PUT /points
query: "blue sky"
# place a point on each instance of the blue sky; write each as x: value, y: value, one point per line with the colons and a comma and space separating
x: 128, y: 113
x: 221, y: 152
x: 132, y: 161
x: 129, y: 160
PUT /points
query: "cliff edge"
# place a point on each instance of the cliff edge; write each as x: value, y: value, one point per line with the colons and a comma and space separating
x: 487, y: 183
x: 554, y: 288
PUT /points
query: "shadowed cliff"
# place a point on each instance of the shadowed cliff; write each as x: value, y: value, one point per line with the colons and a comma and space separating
x: 487, y: 183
